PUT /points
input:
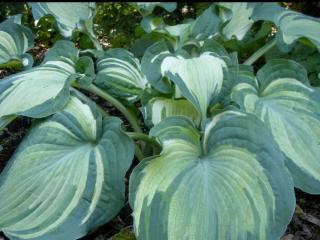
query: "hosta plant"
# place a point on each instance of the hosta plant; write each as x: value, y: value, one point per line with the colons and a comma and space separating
x: 222, y: 139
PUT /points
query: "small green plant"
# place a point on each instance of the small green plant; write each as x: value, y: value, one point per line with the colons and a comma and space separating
x: 227, y: 141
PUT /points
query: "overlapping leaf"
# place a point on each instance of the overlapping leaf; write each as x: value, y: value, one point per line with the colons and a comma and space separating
x: 235, y: 72
x: 159, y: 108
x: 37, y: 92
x: 204, y: 26
x: 120, y: 74
x: 69, y: 16
x: 67, y: 176
x: 151, y: 64
x: 62, y: 49
x: 290, y: 108
x: 43, y: 90
x: 233, y: 185
x: 308, y: 57
x: 199, y: 79
x: 15, y: 41
x: 291, y: 25
x: 147, y: 7
x: 237, y: 18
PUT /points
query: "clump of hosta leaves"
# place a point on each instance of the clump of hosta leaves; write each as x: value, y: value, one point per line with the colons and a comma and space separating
x: 225, y: 145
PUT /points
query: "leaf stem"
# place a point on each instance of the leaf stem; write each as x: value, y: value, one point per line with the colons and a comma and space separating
x: 132, y: 119
x: 255, y: 56
x: 138, y: 152
x: 143, y: 137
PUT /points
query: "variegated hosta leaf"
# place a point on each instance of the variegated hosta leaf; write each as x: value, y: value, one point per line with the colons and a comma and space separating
x: 69, y: 15
x: 62, y: 49
x: 234, y: 186
x: 290, y: 108
x: 120, y: 74
x: 38, y: 92
x: 294, y: 25
x: 15, y: 40
x: 67, y: 176
x: 308, y: 57
x: 146, y: 8
x: 206, y: 25
x: 151, y: 64
x: 159, y: 108
x: 237, y: 17
x: 237, y: 73
x: 199, y: 79
x: 291, y: 25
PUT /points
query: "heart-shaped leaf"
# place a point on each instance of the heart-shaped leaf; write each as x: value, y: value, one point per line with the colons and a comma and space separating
x: 67, y: 176
x: 120, y: 74
x: 199, y: 79
x: 15, y: 40
x: 290, y: 108
x: 233, y: 185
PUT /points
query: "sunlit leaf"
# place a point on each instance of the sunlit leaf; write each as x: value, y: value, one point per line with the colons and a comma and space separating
x: 231, y: 185
x: 120, y: 74
x: 67, y: 176
x: 290, y: 108
x: 69, y: 15
x: 199, y: 79
x: 38, y: 92
x: 160, y: 108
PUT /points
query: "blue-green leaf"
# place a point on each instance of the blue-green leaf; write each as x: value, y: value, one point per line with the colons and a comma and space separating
x: 146, y: 8
x: 290, y: 108
x: 67, y: 176
x: 62, y: 49
x: 85, y: 69
x: 308, y: 57
x: 120, y: 74
x: 232, y: 185
x: 291, y: 25
x: 199, y: 79
x: 237, y: 18
x: 235, y: 73
x: 294, y: 25
x: 159, y: 108
x: 151, y: 64
x: 38, y: 92
x: 69, y: 15
x: 206, y: 25
x: 15, y: 41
